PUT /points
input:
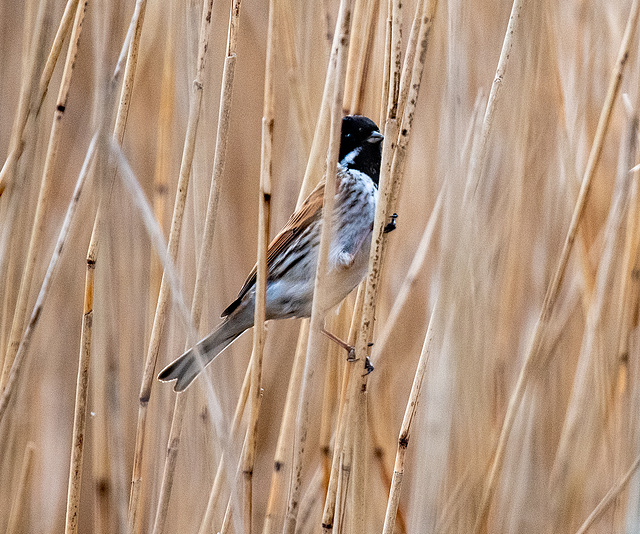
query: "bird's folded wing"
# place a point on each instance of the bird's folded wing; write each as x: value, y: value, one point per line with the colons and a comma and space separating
x: 310, y: 211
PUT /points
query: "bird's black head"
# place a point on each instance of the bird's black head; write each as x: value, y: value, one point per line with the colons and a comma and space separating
x: 360, y: 146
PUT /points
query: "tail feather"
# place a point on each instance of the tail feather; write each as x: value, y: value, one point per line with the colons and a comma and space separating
x: 188, y: 366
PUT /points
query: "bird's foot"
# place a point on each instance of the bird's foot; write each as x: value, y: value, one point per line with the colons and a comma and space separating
x: 351, y: 350
x: 391, y: 226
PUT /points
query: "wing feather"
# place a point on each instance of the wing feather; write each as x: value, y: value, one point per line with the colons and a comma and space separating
x: 310, y: 211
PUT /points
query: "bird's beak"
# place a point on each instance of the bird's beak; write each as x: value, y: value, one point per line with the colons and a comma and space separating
x: 375, y: 137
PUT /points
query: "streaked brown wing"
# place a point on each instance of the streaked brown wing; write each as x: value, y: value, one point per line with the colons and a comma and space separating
x: 309, y: 212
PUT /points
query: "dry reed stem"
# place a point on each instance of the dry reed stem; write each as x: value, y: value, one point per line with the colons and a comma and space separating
x: 214, y: 495
x: 172, y: 248
x: 314, y: 347
x: 359, y: 53
x: 17, y: 505
x: 259, y: 317
x: 29, y: 105
x: 415, y: 269
x: 609, y: 498
x: 409, y: 91
x: 277, y: 491
x: 405, y: 429
x: 52, y: 269
x: 317, y: 157
x: 480, y: 155
x: 286, y: 41
x: 43, y: 198
x: 163, y: 144
x: 82, y: 393
x: 554, y: 286
x: 224, y: 111
x: 329, y: 509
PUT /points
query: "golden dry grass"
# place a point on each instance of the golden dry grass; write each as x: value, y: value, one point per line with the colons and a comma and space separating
x: 485, y: 218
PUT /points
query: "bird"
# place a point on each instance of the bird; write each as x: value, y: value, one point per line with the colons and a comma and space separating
x: 293, y: 253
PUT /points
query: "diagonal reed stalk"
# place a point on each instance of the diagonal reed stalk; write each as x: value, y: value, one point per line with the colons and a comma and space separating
x: 339, y: 60
x: 172, y: 247
x: 30, y: 105
x: 46, y: 184
x: 551, y: 296
x: 264, y: 215
x: 405, y: 429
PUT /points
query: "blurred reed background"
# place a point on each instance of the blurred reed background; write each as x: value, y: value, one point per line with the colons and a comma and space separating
x: 528, y: 412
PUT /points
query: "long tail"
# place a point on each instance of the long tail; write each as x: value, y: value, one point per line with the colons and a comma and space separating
x: 185, y: 368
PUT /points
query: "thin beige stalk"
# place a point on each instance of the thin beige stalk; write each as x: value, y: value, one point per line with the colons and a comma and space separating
x: 329, y: 510
x: 405, y: 429
x: 29, y: 105
x: 172, y: 248
x: 553, y: 289
x: 259, y: 317
x: 480, y: 155
x: 163, y: 143
x: 286, y: 42
x: 609, y: 498
x: 339, y: 60
x: 43, y: 198
x: 52, y: 269
x: 214, y: 495
x: 17, y: 506
x: 82, y: 394
x: 226, y: 92
x: 277, y: 491
x: 410, y: 279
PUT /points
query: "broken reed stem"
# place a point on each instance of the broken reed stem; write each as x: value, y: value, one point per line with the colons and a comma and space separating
x: 277, y: 491
x: 82, y: 393
x: 609, y: 498
x: 405, y: 429
x: 172, y: 249
x: 553, y: 289
x: 52, y: 269
x: 46, y: 183
x: 480, y: 155
x: 214, y: 495
x: 28, y: 105
x: 259, y: 317
x: 339, y: 60
x: 329, y: 510
x: 13, y: 525
x: 224, y: 110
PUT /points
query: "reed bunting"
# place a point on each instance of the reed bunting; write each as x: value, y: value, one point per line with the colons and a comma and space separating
x: 292, y: 255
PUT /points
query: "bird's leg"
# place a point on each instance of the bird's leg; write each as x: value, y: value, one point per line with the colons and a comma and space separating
x: 391, y: 226
x: 351, y: 350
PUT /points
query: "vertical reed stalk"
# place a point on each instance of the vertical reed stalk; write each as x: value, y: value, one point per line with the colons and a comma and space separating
x: 264, y: 215
x: 274, y: 517
x: 338, y: 58
x: 82, y: 391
